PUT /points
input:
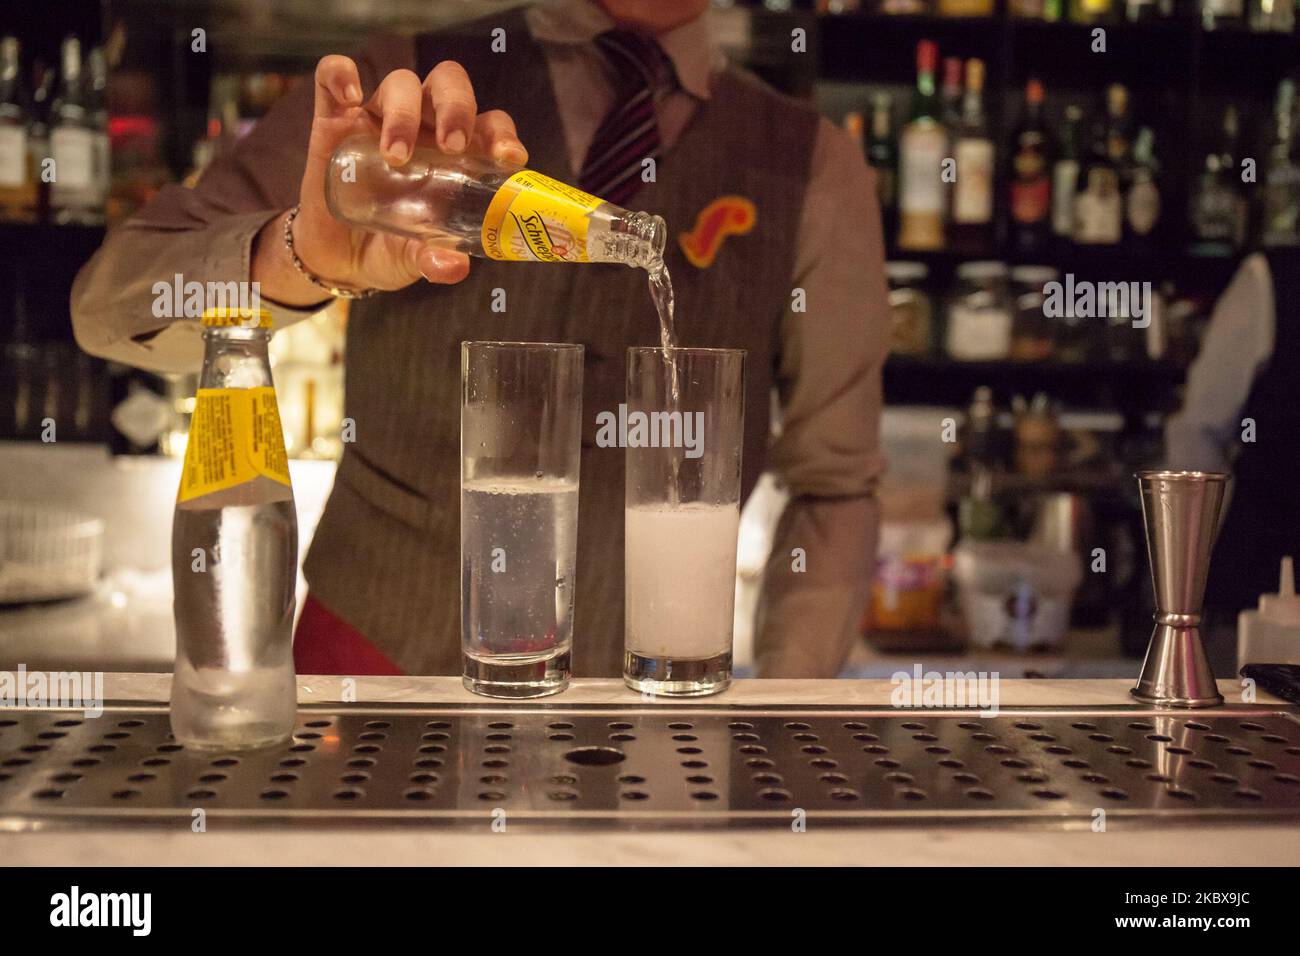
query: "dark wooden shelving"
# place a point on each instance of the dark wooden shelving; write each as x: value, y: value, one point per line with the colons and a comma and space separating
x: 38, y: 262
x: 33, y: 232
x: 1115, y: 483
x: 1180, y: 76
x: 1134, y: 387
x: 1079, y: 258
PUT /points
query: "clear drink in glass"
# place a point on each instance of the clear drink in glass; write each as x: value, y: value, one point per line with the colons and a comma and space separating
x: 521, y: 424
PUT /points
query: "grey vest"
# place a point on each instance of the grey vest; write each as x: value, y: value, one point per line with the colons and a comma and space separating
x: 386, y: 555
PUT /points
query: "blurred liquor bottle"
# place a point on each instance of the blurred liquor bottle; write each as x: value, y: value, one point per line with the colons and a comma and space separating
x: 1217, y: 14
x: 878, y: 151
x: 971, y: 226
x: 854, y: 127
x: 921, y: 148
x: 905, y: 7
x: 1119, y: 136
x: 1028, y: 9
x: 1065, y: 174
x: 1218, y: 205
x: 1031, y: 188
x: 308, y: 361
x: 97, y: 109
x: 950, y: 117
x: 38, y: 134
x: 950, y: 94
x: 1272, y: 16
x: 74, y: 191
x: 1098, y: 203
x: 965, y: 8
x: 1091, y: 11
x: 1282, y: 176
x: 882, y: 154
x: 1140, y: 11
x: 19, y: 193
x: 1142, y: 198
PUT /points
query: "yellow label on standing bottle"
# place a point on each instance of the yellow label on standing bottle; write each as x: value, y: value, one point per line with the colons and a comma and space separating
x: 234, y: 437
x: 534, y: 218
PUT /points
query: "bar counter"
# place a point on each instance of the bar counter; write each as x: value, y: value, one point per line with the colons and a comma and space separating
x: 1222, y: 841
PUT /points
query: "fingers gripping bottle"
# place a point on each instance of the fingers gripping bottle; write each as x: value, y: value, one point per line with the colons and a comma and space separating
x: 234, y: 550
x: 487, y: 209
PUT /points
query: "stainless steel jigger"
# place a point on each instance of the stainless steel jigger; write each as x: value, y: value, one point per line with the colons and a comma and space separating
x: 1181, y: 512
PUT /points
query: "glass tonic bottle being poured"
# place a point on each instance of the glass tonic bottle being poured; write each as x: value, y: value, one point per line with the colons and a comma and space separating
x: 483, y: 208
x: 497, y: 211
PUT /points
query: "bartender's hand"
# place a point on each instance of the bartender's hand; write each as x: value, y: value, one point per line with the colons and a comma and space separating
x: 441, y: 110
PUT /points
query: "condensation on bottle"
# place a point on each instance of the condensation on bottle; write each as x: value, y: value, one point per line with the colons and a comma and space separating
x: 234, y: 550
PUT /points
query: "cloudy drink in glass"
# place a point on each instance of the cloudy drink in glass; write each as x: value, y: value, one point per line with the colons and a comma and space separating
x: 684, y: 430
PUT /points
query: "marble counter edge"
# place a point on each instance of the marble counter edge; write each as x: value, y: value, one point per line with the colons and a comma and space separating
x: 992, y: 846
x: 316, y: 689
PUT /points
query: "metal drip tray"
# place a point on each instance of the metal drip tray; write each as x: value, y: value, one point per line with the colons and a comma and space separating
x: 659, y: 767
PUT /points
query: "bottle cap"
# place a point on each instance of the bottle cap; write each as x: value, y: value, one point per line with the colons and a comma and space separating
x: 927, y: 56
x: 227, y: 318
x: 952, y: 72
x: 1284, y: 606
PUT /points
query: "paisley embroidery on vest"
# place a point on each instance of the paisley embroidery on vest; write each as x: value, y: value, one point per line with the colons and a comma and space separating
x: 725, y: 216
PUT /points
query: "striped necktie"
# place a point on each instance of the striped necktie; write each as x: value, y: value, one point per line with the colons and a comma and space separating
x: 629, y: 134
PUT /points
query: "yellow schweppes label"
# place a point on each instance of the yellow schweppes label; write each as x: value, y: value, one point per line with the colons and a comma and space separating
x: 534, y: 218
x: 235, y: 436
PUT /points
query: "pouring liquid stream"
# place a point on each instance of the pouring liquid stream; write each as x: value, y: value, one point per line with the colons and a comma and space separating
x: 661, y: 293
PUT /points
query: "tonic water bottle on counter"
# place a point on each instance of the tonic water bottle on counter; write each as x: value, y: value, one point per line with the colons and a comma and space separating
x: 234, y: 550
x: 483, y: 208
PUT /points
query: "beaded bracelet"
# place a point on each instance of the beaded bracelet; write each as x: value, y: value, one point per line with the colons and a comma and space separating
x: 334, y: 290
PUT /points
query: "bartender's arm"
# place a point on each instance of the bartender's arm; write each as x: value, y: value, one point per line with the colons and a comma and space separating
x: 1238, y: 342
x: 230, y: 227
x: 818, y: 575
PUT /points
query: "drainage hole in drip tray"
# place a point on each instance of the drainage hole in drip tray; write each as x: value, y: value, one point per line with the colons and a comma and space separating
x: 595, y: 756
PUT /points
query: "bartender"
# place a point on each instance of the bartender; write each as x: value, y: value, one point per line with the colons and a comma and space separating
x: 802, y: 289
x: 1241, y: 414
